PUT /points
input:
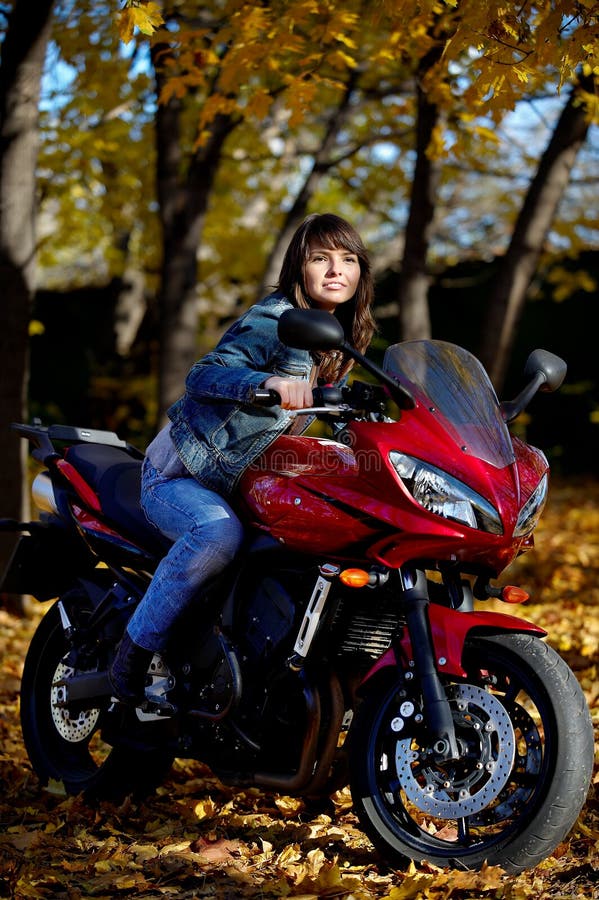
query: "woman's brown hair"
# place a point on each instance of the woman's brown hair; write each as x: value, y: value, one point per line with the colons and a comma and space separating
x: 330, y: 232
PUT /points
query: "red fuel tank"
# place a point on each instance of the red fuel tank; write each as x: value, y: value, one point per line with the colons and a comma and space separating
x: 294, y: 491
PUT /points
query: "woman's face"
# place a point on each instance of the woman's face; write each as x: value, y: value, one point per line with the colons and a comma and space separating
x: 331, y: 277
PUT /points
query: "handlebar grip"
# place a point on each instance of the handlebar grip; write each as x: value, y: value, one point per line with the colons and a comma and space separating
x: 327, y: 395
x: 266, y: 397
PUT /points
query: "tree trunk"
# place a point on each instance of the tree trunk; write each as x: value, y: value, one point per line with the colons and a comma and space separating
x: 183, y: 192
x: 534, y: 221
x: 414, y: 281
x: 23, y: 55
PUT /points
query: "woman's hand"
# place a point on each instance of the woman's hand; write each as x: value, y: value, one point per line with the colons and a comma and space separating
x: 294, y: 394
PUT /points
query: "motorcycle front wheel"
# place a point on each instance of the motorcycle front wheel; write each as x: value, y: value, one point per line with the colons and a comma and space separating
x: 68, y: 747
x: 526, y: 755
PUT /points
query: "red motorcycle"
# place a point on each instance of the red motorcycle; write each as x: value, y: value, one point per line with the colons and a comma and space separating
x: 343, y: 647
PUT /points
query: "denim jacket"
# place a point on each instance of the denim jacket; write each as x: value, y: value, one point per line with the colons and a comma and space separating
x: 216, y: 429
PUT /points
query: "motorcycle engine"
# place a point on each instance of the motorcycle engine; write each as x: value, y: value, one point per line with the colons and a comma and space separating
x: 269, y: 616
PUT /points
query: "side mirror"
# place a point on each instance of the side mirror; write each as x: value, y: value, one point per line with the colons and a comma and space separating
x: 316, y: 329
x: 545, y: 372
x: 310, y: 329
x: 552, y: 367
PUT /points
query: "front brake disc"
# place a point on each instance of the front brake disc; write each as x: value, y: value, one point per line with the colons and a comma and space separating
x: 458, y: 788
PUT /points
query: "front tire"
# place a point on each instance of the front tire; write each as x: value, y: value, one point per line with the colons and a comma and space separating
x: 526, y: 738
x: 67, y: 747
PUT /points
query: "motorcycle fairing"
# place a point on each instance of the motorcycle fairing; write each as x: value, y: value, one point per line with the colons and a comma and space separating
x: 450, y: 629
x: 300, y: 481
x: 452, y: 382
x: 322, y: 497
x: 358, y: 500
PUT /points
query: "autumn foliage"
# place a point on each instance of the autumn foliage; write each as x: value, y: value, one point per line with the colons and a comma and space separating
x: 197, y: 838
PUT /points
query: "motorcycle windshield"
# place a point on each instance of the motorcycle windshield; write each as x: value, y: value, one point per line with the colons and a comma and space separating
x: 453, y: 382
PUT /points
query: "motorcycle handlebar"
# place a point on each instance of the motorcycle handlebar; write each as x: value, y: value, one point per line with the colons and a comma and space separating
x: 321, y: 396
x: 266, y: 397
x: 332, y: 399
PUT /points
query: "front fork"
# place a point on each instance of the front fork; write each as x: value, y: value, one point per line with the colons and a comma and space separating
x: 437, y: 711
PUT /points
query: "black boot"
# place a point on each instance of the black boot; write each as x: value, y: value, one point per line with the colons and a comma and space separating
x: 128, y: 671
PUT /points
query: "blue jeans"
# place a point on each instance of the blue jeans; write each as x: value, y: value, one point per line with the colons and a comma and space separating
x: 207, y: 534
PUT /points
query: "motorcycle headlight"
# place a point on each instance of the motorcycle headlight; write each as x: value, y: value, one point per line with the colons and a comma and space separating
x: 532, y: 509
x: 444, y: 495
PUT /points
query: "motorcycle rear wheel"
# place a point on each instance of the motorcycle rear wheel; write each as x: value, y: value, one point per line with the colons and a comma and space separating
x: 68, y: 748
x: 520, y: 707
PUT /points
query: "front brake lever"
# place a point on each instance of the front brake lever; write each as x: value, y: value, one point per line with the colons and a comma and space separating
x: 342, y: 409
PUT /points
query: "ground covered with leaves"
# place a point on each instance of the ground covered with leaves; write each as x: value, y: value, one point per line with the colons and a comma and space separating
x: 197, y: 839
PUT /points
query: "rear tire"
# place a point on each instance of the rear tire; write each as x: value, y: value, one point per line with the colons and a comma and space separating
x: 520, y: 708
x: 69, y: 748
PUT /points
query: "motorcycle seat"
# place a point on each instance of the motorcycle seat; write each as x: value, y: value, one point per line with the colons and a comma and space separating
x: 115, y: 477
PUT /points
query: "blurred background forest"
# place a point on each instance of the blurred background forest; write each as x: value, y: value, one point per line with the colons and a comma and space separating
x: 156, y: 157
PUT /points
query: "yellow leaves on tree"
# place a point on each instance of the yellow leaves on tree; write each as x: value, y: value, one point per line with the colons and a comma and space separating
x: 589, y: 100
x: 502, y: 49
x: 251, y: 53
x: 568, y: 282
x: 492, y: 53
x: 141, y: 14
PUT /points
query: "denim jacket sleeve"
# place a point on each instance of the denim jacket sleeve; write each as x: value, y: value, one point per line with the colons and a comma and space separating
x: 247, y: 354
x: 216, y: 430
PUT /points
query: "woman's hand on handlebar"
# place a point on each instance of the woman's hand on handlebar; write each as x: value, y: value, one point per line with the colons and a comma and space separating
x: 294, y: 394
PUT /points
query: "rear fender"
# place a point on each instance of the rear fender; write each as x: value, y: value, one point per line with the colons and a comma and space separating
x: 450, y: 629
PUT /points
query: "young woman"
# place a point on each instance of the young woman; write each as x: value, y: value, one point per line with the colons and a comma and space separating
x: 215, y: 432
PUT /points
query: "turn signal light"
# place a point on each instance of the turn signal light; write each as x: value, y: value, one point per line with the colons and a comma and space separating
x: 355, y: 578
x: 512, y: 594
